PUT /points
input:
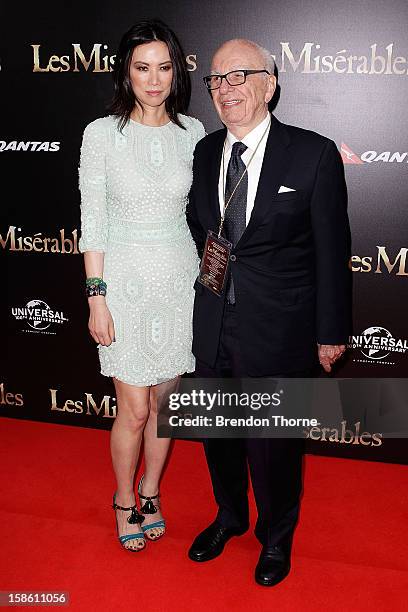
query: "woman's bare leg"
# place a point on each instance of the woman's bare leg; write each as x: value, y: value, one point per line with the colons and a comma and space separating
x: 133, y: 405
x: 155, y: 450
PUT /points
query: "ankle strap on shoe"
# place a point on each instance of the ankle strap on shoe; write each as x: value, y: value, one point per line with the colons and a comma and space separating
x: 148, y: 507
x: 134, y: 518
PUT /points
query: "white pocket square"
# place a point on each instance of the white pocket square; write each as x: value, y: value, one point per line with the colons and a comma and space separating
x: 283, y: 189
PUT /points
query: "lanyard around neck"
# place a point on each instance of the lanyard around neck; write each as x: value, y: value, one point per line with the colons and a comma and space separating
x: 226, y: 203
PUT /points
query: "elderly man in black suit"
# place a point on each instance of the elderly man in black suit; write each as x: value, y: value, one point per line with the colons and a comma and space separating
x: 279, y: 196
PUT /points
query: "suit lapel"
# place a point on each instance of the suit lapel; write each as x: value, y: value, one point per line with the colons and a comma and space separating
x: 274, y: 163
x: 214, y: 175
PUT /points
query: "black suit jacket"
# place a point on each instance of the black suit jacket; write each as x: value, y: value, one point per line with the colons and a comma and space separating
x: 291, y: 273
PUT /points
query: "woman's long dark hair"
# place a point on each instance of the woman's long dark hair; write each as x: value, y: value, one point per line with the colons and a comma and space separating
x: 124, y: 99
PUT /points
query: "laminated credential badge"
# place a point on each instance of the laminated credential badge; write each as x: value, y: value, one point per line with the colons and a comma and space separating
x: 214, y: 263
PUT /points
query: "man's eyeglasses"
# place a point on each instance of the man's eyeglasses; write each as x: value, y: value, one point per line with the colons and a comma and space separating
x: 235, y: 77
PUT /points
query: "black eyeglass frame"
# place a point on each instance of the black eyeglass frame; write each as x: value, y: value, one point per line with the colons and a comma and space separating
x: 225, y: 76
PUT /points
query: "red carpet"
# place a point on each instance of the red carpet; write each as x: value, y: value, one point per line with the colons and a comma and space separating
x: 350, y: 552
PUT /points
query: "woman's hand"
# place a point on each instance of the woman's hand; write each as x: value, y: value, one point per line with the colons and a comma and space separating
x: 100, y: 323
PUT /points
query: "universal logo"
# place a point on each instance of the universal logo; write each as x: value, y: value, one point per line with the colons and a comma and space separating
x: 15, y: 240
x: 376, y: 344
x: 29, y: 145
x: 344, y: 435
x: 349, y: 157
x: 106, y: 408
x: 39, y: 317
x: 382, y: 262
x: 98, y: 59
x: 10, y: 399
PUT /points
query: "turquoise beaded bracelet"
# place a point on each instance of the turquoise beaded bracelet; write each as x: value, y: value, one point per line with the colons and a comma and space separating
x: 95, y: 286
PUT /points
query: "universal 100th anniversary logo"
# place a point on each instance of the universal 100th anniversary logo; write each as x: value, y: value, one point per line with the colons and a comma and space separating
x: 39, y: 318
x: 377, y: 345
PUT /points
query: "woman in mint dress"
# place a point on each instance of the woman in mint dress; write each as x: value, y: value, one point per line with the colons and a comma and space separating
x: 140, y: 260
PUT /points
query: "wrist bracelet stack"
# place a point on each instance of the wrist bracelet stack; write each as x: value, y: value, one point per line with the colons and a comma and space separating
x: 95, y: 286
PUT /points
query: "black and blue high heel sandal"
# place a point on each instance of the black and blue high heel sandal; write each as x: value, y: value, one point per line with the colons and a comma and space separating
x: 135, y: 518
x: 149, y: 508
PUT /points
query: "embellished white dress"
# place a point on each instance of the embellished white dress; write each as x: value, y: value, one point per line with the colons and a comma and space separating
x: 134, y: 188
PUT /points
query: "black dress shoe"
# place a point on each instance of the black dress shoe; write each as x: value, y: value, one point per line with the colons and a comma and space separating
x: 210, y: 542
x: 273, y: 565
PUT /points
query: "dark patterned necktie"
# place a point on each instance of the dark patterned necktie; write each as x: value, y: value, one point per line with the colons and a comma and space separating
x: 235, y: 216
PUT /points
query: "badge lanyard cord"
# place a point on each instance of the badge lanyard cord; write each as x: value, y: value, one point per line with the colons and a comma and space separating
x: 226, y: 203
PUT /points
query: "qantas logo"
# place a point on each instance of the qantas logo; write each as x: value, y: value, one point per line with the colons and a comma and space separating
x: 349, y: 157
x: 29, y: 145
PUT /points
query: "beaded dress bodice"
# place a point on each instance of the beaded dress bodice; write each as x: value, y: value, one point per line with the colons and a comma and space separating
x: 134, y: 188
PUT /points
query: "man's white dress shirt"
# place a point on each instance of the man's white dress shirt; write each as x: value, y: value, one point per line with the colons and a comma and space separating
x: 254, y: 170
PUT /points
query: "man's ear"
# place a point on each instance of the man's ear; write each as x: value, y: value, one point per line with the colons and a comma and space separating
x: 271, y: 87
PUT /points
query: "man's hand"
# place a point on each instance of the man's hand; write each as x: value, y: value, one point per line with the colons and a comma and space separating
x: 329, y: 353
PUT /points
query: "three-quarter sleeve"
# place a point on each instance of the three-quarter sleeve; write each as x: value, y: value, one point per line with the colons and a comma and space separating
x: 92, y: 184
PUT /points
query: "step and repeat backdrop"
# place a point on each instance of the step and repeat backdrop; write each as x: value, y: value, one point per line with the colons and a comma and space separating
x: 343, y: 72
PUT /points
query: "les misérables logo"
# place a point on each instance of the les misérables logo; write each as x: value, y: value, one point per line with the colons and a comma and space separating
x: 343, y: 434
x: 87, y: 405
x: 384, y: 262
x: 83, y: 58
x: 9, y: 398
x: 16, y: 241
x: 310, y: 58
